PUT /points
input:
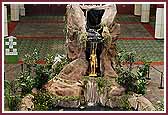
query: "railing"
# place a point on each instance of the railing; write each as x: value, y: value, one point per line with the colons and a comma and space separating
x: 161, y: 76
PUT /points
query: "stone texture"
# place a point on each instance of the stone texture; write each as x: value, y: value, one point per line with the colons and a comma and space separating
x: 115, y: 89
x: 117, y: 101
x: 62, y: 87
x: 27, y: 103
x: 68, y: 104
x: 75, y: 20
x: 74, y: 70
x: 143, y: 103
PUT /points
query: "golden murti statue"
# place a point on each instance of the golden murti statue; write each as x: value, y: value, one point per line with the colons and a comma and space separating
x: 93, y: 63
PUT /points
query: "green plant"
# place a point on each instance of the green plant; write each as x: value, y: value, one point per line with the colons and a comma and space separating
x: 43, y: 74
x: 43, y: 101
x: 126, y: 57
x: 160, y: 105
x: 102, y: 84
x: 31, y: 59
x: 127, y: 79
x: 25, y: 82
x: 135, y: 82
x: 85, y: 79
x: 11, y: 99
x: 122, y: 102
x: 49, y: 60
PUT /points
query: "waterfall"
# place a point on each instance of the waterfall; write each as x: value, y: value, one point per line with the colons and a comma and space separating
x: 91, y: 92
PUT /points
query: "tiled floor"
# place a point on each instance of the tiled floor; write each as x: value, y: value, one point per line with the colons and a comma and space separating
x: 39, y: 29
x: 134, y: 31
x: 150, y: 49
x: 45, y: 47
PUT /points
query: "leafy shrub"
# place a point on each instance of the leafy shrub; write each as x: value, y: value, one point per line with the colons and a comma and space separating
x: 135, y: 82
x: 103, y: 83
x: 49, y: 60
x: 25, y: 82
x: 43, y: 74
x: 126, y: 57
x: 127, y: 79
x: 12, y: 100
x: 31, y: 59
x: 160, y: 105
x: 43, y: 101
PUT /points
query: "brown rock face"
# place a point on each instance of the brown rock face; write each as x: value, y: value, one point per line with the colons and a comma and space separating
x: 66, y: 83
x: 62, y: 87
x: 76, y: 31
x: 75, y: 70
x: 76, y: 25
x: 27, y: 103
x: 143, y: 103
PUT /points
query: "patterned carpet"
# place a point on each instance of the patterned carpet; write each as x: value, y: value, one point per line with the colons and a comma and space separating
x: 46, y: 33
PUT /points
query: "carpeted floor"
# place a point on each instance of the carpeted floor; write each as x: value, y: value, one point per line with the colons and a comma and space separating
x: 46, y: 33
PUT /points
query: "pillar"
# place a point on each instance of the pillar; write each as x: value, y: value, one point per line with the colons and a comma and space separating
x: 22, y: 10
x: 5, y: 22
x: 159, y: 24
x: 137, y: 9
x: 145, y: 12
x: 14, y: 12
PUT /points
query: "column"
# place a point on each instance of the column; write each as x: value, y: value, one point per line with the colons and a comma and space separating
x: 137, y: 9
x: 145, y: 12
x: 5, y: 22
x: 22, y: 9
x: 14, y: 12
x: 159, y: 25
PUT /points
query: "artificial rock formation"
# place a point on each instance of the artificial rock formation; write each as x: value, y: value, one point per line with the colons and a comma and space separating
x: 75, y: 70
x: 62, y: 87
x: 27, y: 103
x: 76, y: 37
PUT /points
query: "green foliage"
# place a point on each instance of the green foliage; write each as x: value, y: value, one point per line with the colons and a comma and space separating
x: 122, y: 102
x: 43, y: 74
x: 126, y: 57
x: 135, y: 82
x: 43, y: 101
x: 25, y: 82
x: 31, y: 58
x: 49, y: 60
x: 127, y: 79
x: 160, y: 105
x: 103, y: 83
x: 42, y: 71
x: 11, y: 99
x: 85, y: 79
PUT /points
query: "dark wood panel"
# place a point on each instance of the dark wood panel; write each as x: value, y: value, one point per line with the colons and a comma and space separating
x: 125, y: 8
x: 45, y: 9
